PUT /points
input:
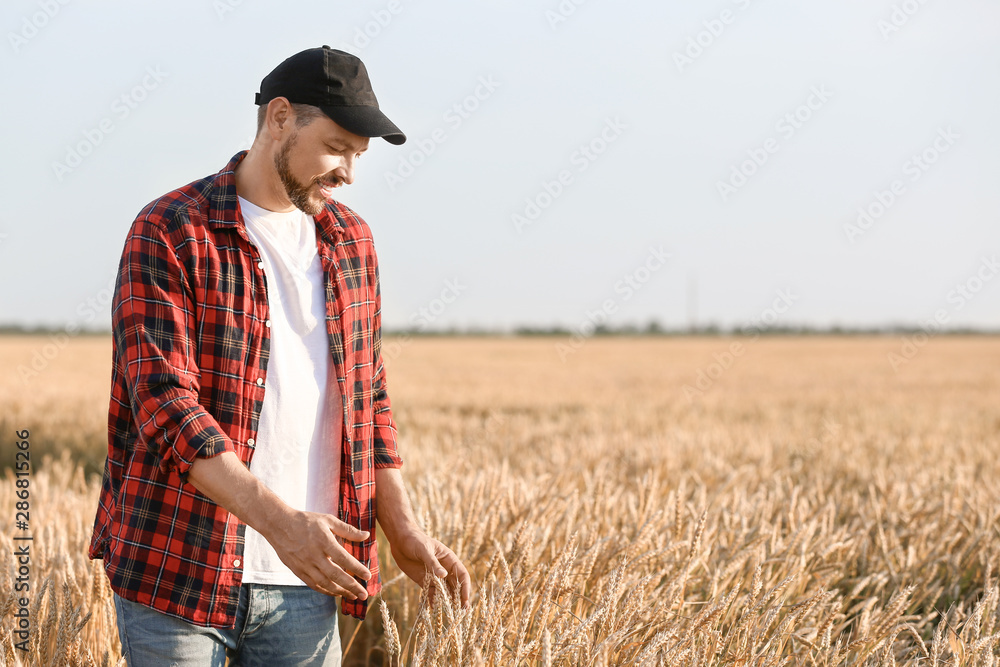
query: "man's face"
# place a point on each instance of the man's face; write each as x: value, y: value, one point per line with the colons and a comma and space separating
x: 316, y: 159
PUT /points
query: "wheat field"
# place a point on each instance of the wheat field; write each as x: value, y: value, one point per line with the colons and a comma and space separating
x: 809, y: 504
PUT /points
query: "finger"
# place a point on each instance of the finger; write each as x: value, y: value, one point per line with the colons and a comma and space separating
x: 465, y: 581
x: 334, y: 576
x: 425, y: 552
x: 320, y: 582
x: 347, y: 531
x: 332, y: 590
x: 349, y: 563
x: 458, y: 573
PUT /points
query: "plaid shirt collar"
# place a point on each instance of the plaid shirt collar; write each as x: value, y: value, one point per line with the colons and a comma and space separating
x: 330, y: 226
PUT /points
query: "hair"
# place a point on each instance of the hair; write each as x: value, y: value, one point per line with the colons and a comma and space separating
x: 304, y: 114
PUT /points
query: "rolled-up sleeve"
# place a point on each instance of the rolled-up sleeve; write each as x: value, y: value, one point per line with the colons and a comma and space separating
x: 386, y: 454
x: 154, y: 328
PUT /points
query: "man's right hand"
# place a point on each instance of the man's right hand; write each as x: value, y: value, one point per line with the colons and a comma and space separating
x: 306, y: 542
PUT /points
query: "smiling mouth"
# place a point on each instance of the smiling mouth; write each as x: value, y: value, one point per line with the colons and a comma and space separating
x: 327, y: 188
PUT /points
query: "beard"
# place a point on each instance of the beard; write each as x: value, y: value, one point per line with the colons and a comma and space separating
x: 298, y: 193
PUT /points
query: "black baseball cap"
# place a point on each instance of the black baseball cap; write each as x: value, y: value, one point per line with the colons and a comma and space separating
x: 336, y: 82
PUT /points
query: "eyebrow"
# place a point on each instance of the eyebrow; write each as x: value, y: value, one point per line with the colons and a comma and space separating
x: 334, y: 143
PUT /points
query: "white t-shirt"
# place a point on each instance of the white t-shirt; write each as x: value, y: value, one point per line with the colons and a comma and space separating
x: 298, y: 447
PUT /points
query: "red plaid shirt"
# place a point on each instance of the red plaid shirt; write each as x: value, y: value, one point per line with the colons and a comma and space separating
x: 191, y: 340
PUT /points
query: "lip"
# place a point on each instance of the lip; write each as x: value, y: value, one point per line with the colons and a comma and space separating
x: 326, y: 190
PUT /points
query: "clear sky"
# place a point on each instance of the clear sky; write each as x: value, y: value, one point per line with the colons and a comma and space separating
x: 566, y: 161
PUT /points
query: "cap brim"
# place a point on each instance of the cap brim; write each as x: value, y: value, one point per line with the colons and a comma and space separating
x: 365, y: 121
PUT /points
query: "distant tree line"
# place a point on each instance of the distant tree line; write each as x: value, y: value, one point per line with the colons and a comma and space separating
x: 651, y: 328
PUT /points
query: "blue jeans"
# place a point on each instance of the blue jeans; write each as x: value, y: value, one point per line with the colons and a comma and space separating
x: 275, y: 625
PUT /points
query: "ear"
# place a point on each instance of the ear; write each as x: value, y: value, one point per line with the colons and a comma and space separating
x: 280, y: 118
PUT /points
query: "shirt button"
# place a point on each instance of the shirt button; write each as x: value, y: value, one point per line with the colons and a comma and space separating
x: 260, y: 381
x: 236, y: 563
x: 260, y: 265
x: 250, y: 442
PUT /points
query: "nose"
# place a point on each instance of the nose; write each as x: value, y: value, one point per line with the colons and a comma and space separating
x: 345, y: 171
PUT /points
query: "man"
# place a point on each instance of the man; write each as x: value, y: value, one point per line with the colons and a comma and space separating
x: 250, y: 430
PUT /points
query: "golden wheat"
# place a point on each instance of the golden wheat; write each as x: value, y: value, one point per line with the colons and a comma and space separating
x: 811, y: 506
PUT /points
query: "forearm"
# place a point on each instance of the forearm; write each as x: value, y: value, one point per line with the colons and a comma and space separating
x: 228, y: 483
x: 394, y: 512
x: 415, y: 553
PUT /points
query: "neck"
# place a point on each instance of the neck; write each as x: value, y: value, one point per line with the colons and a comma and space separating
x: 258, y: 182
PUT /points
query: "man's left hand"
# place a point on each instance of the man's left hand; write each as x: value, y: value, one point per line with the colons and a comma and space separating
x: 415, y: 553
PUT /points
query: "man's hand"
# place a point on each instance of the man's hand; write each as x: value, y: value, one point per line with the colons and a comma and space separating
x: 412, y: 549
x: 306, y: 542
x: 415, y: 553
